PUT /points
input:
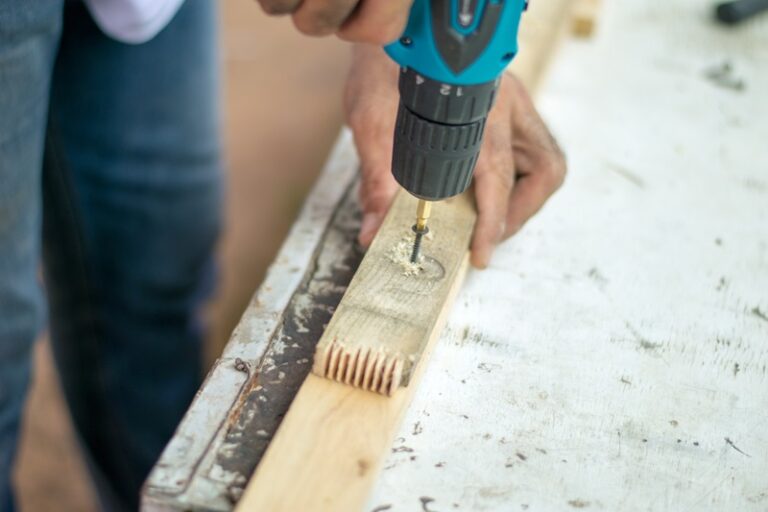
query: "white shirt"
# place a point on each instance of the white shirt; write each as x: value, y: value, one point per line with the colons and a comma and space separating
x: 133, y: 21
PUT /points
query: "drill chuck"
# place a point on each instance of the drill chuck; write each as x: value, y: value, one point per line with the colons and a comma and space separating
x: 438, y: 134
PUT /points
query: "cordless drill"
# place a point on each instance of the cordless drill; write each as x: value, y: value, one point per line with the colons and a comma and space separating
x: 451, y: 55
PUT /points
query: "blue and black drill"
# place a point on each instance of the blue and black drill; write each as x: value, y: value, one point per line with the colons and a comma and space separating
x: 451, y: 54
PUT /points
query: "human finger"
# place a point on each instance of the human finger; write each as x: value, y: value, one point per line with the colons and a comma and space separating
x: 322, y: 17
x: 279, y: 7
x: 376, y: 21
x: 494, y: 179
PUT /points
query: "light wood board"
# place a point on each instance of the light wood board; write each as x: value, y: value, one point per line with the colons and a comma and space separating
x: 329, y: 449
x: 390, y: 309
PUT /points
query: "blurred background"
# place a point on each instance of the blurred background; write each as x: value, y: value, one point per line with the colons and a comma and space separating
x: 282, y: 112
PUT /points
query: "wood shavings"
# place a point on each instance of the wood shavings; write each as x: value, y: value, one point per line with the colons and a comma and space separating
x: 400, y: 254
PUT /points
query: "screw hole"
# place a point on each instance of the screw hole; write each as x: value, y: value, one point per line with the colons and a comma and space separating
x: 507, y: 56
x: 406, y: 41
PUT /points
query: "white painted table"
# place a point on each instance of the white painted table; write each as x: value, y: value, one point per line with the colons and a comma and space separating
x: 615, y: 354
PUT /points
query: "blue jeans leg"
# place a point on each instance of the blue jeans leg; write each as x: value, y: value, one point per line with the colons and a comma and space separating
x: 29, y: 33
x: 132, y: 193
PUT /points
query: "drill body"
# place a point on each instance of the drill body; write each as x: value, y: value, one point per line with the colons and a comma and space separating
x: 451, y: 55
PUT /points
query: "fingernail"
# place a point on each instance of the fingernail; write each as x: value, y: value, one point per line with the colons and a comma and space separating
x: 367, y: 228
x: 480, y: 259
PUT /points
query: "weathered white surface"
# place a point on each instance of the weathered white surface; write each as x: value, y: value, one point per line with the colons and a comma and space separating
x: 180, y: 461
x: 615, y: 355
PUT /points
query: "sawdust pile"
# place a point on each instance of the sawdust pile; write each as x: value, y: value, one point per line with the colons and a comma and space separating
x: 400, y: 254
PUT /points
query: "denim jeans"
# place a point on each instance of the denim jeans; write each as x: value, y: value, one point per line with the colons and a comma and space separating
x: 110, y: 177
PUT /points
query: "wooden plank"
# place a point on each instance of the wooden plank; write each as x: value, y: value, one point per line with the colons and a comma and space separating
x: 390, y: 309
x: 330, y: 446
x: 328, y: 450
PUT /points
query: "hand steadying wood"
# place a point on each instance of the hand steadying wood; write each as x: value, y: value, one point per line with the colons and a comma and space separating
x: 446, y: 98
x: 520, y: 164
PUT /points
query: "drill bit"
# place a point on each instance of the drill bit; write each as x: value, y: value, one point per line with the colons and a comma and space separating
x: 420, y: 228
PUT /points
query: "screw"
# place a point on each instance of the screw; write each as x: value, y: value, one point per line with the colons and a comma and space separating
x: 417, y: 242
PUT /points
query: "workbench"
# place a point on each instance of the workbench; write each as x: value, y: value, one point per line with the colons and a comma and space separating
x: 614, y: 356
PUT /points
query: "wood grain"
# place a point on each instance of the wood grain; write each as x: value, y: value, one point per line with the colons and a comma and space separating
x: 379, y: 330
x: 329, y: 448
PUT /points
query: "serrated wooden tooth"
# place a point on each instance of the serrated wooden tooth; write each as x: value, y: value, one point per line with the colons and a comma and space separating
x: 370, y: 368
x: 378, y: 371
x: 386, y: 376
x: 322, y: 360
x: 369, y: 365
x: 357, y: 380
x: 334, y: 361
x: 352, y: 367
x: 391, y: 384
x: 397, y: 376
x: 342, y: 367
